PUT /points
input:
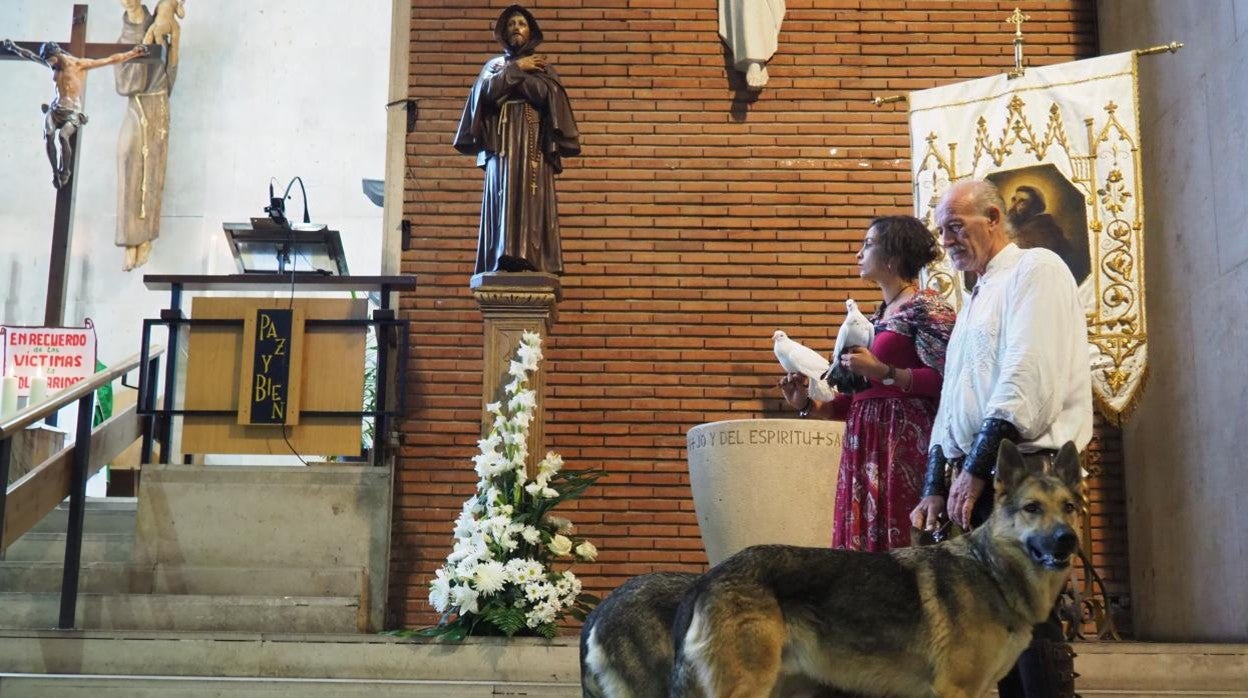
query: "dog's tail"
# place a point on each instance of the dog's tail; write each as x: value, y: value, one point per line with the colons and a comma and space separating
x: 682, y: 680
x: 589, y: 680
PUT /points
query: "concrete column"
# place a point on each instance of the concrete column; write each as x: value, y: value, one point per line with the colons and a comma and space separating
x: 512, y: 303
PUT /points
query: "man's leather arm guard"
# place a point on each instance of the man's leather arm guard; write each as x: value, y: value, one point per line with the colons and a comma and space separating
x: 934, y: 482
x: 981, y: 461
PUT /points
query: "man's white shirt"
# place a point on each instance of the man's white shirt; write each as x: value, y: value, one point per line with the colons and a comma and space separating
x: 1018, y: 352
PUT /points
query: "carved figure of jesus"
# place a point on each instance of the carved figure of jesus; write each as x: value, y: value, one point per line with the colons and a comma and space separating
x: 64, y: 113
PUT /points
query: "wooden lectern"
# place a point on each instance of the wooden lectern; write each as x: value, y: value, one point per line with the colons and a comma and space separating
x: 273, y: 374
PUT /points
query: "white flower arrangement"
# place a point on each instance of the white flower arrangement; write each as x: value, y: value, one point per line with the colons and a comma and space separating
x: 500, y: 576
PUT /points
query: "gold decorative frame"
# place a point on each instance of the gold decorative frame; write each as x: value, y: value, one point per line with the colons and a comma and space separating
x: 998, y: 118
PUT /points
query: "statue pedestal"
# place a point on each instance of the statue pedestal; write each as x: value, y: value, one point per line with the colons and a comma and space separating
x: 513, y: 303
x: 764, y: 481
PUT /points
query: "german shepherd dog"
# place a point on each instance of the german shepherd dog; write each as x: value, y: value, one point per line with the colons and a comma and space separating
x: 626, y: 642
x: 946, y: 620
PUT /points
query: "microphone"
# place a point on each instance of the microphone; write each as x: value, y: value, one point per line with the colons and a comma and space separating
x: 277, y: 206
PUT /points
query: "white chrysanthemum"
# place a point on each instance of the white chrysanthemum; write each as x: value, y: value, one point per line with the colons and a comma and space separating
x: 570, y: 587
x: 539, y: 591
x: 465, y: 597
x: 560, y: 545
x: 526, y: 571
x: 586, y: 551
x: 490, y: 577
x: 531, y: 535
x: 542, y: 614
x: 440, y: 591
x: 531, y: 338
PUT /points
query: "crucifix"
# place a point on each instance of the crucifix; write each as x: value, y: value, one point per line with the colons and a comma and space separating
x: 63, y: 118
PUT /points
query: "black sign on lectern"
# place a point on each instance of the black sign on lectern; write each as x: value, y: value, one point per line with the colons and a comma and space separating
x: 270, y: 373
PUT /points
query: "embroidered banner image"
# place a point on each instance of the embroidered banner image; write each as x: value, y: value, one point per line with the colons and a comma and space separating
x: 1062, y: 143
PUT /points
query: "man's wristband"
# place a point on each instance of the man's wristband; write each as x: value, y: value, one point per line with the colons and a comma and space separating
x: 934, y: 481
x: 981, y: 460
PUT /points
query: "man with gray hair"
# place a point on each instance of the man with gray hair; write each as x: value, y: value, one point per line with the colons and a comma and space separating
x: 1016, y: 368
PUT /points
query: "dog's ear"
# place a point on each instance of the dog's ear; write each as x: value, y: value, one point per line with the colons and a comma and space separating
x: 1066, y: 466
x: 1010, y: 467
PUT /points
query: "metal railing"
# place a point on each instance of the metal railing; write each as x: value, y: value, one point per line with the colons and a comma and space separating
x: 46, y: 486
x: 387, y: 328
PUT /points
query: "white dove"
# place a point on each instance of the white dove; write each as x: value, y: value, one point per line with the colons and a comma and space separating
x: 797, y: 358
x: 856, y: 331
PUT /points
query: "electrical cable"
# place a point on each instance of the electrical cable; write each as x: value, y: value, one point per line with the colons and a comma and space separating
x: 290, y: 244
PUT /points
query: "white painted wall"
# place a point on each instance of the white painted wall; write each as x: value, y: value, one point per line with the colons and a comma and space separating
x: 264, y: 89
x: 1184, y: 446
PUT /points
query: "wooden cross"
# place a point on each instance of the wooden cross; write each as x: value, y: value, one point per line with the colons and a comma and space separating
x: 62, y: 220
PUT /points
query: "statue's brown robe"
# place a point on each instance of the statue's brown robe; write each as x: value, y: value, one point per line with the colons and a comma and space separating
x: 520, y: 126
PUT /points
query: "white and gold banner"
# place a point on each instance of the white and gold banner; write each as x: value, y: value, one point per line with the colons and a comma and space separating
x: 1062, y: 143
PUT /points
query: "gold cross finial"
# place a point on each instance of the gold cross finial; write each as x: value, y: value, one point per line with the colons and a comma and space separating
x: 1017, y: 20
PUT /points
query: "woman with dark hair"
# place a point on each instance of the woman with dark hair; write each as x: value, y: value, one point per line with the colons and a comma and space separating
x: 888, y: 425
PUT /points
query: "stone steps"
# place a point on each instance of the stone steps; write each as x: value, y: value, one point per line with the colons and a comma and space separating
x: 78, y: 686
x: 100, y: 515
x: 33, y: 686
x: 186, y: 612
x: 477, y: 667
x: 37, y: 546
x: 124, y: 577
x: 118, y: 593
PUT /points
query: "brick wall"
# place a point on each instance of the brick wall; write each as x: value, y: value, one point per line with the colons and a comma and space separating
x: 697, y: 221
